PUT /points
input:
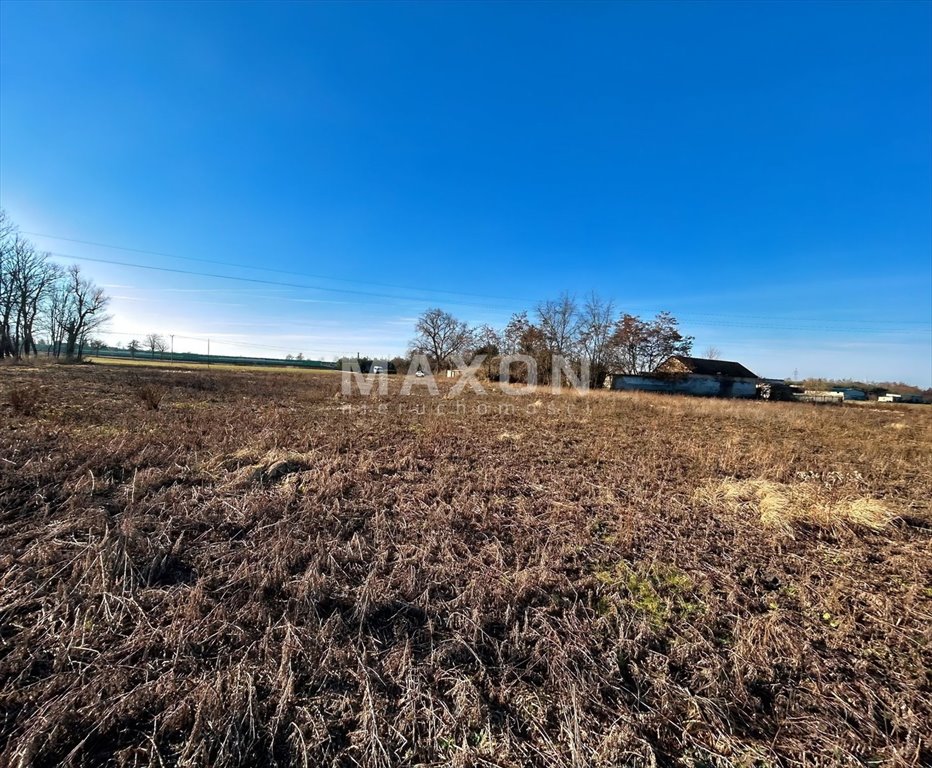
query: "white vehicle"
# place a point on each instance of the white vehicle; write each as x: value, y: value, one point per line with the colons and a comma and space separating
x: 419, y: 374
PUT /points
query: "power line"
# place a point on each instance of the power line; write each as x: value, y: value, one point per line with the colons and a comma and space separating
x: 258, y: 281
x: 265, y: 269
x: 514, y: 301
x: 279, y: 283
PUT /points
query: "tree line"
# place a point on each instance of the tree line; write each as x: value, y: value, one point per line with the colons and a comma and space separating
x: 587, y: 334
x: 41, y: 298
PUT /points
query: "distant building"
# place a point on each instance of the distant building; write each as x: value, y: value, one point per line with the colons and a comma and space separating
x: 820, y: 396
x: 893, y: 397
x: 701, y: 366
x: 851, y: 393
x: 778, y: 389
x: 693, y: 376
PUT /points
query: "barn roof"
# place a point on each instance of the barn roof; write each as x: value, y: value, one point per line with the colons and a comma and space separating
x: 706, y: 367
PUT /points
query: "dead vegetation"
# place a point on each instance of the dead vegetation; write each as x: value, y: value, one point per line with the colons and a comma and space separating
x: 784, y: 505
x: 151, y: 394
x: 257, y: 572
x: 23, y: 401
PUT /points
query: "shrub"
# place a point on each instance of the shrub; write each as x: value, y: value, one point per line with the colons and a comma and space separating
x: 151, y: 395
x: 24, y: 401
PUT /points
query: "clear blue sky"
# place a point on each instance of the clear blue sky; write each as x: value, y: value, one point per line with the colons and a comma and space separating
x: 764, y: 171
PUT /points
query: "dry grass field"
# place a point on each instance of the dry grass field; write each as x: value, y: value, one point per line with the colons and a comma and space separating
x: 245, y: 568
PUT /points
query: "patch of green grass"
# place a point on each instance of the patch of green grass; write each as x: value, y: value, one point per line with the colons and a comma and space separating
x: 600, y: 530
x: 661, y: 593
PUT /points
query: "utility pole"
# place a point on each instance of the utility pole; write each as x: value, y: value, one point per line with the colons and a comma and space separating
x: 171, y: 354
x: 208, y: 353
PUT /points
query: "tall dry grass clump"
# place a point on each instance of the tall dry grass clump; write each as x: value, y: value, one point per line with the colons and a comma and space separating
x: 23, y: 401
x: 783, y: 505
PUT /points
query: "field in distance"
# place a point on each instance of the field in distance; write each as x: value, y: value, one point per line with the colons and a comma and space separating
x: 167, y: 363
x: 219, y: 568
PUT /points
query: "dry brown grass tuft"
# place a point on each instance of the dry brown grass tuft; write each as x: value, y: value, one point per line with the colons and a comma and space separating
x: 24, y: 401
x: 268, y: 468
x: 781, y: 505
x: 151, y: 395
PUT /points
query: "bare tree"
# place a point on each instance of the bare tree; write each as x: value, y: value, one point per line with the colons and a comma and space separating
x: 7, y: 228
x: 488, y: 343
x: 34, y: 278
x: 557, y: 326
x: 53, y: 316
x: 594, y: 330
x: 9, y: 238
x: 155, y: 343
x: 26, y: 278
x: 521, y: 336
x: 440, y: 336
x: 133, y: 347
x: 84, y: 311
x: 712, y: 353
x: 515, y: 333
x: 557, y: 322
x: 36, y: 293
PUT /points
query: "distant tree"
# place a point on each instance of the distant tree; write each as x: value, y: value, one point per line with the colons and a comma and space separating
x: 522, y: 337
x: 96, y: 344
x: 9, y: 244
x: 33, y: 278
x: 83, y: 311
x: 440, y: 336
x: 594, y: 331
x: 358, y: 362
x: 53, y: 316
x: 514, y: 334
x: 628, y: 341
x: 27, y: 279
x: 133, y: 347
x: 641, y: 345
x: 488, y: 344
x: 289, y: 357
x: 712, y: 353
x: 557, y: 321
x: 399, y: 364
x: 37, y: 295
x: 299, y: 356
x: 155, y: 343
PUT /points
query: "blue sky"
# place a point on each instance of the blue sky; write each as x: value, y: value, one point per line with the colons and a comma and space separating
x: 763, y: 171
